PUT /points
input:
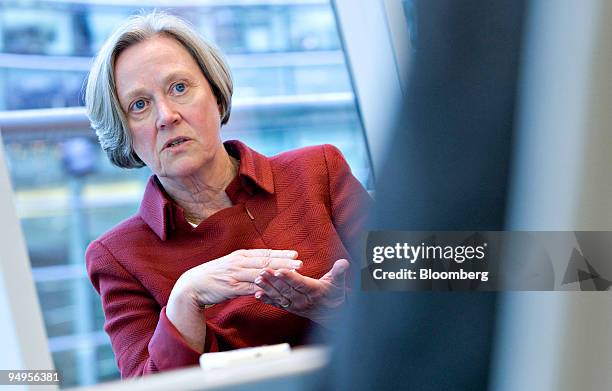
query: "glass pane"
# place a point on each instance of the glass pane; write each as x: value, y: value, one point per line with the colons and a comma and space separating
x: 292, y: 89
x: 410, y: 14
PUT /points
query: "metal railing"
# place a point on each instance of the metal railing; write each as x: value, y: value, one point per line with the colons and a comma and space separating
x: 45, y: 62
x: 75, y: 118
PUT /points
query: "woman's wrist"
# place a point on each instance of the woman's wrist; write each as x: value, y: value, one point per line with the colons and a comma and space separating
x: 187, y: 316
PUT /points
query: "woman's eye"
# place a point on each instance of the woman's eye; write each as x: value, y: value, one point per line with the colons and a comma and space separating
x: 139, y: 105
x: 180, y: 87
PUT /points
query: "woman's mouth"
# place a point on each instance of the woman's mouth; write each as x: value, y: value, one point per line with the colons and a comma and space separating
x: 175, y: 142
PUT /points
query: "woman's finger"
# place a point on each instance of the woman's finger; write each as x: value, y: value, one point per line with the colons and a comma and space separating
x: 245, y: 275
x: 270, y: 291
x: 337, y: 274
x: 269, y: 253
x: 295, y: 280
x: 281, y: 286
x: 298, y: 300
x: 270, y: 262
x: 267, y: 300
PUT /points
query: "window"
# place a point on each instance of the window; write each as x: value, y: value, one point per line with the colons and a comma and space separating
x: 292, y: 89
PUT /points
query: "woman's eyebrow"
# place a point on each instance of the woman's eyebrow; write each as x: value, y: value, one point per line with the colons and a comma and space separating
x: 168, y: 78
x: 141, y: 90
x: 132, y: 94
x: 176, y: 75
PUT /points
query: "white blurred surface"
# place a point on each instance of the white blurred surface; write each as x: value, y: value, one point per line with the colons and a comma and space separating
x: 561, y: 181
x: 301, y: 361
x: 24, y: 339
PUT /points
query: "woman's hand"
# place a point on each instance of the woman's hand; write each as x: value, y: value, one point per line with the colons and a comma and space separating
x: 304, y: 296
x: 218, y: 280
x: 232, y: 275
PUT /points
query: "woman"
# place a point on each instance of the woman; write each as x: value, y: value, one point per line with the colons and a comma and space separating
x: 193, y: 270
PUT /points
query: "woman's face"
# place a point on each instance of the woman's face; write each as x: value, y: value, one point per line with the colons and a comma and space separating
x: 172, y: 113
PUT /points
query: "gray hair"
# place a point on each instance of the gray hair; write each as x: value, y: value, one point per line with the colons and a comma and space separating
x: 103, y: 108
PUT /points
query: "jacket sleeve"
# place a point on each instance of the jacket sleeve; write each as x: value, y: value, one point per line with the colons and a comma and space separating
x: 350, y: 202
x: 142, y: 337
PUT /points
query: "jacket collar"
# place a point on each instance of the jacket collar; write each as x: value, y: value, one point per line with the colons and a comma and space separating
x: 158, y: 210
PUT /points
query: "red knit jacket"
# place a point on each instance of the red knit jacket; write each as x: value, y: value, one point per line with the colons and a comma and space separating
x: 306, y: 200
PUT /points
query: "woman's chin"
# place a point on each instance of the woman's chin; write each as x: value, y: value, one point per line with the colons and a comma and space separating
x: 181, y: 168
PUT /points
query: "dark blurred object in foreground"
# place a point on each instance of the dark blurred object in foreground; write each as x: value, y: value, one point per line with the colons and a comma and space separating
x: 448, y: 169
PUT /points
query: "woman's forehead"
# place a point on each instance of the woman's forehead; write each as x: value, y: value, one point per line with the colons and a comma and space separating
x: 150, y: 61
x: 155, y: 51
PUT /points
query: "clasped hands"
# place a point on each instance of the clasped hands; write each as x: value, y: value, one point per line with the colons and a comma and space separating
x: 273, y: 277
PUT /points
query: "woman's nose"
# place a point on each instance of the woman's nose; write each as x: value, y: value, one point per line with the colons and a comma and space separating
x: 167, y: 114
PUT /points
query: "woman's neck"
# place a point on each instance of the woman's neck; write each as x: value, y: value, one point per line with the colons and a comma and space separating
x: 203, y: 194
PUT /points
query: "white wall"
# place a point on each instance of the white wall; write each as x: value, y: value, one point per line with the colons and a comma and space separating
x: 562, y: 181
